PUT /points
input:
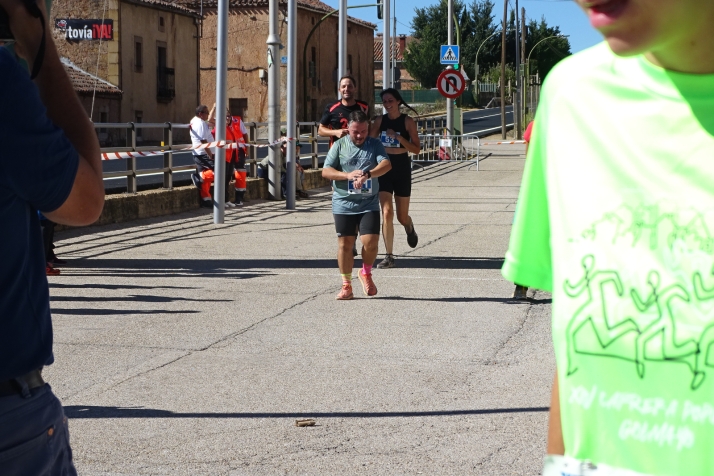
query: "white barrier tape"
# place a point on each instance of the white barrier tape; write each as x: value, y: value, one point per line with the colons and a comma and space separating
x: 221, y: 144
x: 504, y: 142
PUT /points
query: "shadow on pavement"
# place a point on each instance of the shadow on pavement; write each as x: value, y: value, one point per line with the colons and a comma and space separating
x: 212, y: 266
x: 89, y: 412
x: 132, y: 298
x: 468, y: 299
x: 112, y: 312
x: 112, y: 287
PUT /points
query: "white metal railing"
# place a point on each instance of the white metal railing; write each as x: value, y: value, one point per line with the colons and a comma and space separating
x: 171, y: 138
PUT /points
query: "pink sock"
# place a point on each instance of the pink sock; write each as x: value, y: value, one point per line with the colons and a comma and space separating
x: 367, y: 269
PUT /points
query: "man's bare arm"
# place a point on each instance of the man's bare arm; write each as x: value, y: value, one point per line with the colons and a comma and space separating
x: 212, y: 116
x: 382, y: 168
x: 208, y: 150
x: 330, y: 173
x: 86, y: 199
x: 325, y: 131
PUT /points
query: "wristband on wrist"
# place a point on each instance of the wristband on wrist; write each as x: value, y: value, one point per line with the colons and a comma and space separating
x: 368, y: 174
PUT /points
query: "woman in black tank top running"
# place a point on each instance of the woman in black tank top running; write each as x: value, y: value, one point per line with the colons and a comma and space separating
x: 398, y: 133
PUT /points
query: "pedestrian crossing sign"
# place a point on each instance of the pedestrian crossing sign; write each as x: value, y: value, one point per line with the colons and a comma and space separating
x: 449, y: 54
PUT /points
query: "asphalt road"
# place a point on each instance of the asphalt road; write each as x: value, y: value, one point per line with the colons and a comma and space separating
x: 485, y: 119
x: 474, y: 121
x: 187, y: 348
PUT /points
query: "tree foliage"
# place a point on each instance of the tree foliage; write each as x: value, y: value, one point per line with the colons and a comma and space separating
x: 549, y: 51
x: 477, y: 28
x: 493, y: 75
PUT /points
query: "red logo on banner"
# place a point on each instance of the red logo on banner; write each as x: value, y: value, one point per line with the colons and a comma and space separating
x: 102, y: 32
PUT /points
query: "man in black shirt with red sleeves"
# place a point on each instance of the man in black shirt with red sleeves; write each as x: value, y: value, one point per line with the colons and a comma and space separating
x: 333, y: 123
x: 335, y: 118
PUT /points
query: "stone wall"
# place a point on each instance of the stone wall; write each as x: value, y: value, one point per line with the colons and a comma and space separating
x: 84, y: 54
x: 153, y: 203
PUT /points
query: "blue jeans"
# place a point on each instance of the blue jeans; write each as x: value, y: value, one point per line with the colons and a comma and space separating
x: 34, y: 436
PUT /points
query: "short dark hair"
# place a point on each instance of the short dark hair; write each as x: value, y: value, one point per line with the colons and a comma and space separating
x: 348, y: 76
x: 200, y: 108
x: 358, y: 117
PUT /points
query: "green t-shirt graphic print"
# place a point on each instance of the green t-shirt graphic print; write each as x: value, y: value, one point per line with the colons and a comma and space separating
x: 616, y: 218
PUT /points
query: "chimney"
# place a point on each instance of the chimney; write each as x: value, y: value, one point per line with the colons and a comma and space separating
x: 402, y: 43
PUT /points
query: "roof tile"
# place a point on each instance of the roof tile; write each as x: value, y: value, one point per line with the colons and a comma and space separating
x: 168, y: 4
x: 379, y: 50
x: 311, y: 4
x: 84, y: 82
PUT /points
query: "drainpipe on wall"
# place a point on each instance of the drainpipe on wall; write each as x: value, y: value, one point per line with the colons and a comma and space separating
x: 198, y: 61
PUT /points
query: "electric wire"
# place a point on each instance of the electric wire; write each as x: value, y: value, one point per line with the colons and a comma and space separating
x: 99, y: 55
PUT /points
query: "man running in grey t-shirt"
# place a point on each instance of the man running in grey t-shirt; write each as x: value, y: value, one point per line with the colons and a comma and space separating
x: 352, y: 162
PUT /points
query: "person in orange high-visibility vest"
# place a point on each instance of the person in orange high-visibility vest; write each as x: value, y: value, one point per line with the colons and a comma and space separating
x: 235, y: 158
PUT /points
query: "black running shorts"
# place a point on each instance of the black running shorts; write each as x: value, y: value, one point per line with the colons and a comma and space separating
x: 367, y: 223
x: 398, y: 181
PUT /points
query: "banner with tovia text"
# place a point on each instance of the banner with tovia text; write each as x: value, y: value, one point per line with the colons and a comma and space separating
x: 82, y: 30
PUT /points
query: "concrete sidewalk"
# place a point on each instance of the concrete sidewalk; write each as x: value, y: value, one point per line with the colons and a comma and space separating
x: 188, y: 348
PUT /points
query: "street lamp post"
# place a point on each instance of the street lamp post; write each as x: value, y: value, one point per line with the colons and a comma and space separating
x: 476, y: 71
x: 541, y: 41
x: 528, y: 59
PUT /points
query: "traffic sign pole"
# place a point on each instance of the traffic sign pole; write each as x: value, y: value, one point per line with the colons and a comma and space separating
x: 449, y: 102
x: 386, y: 47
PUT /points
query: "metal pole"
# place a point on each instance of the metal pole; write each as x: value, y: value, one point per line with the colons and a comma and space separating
x: 450, y: 102
x: 503, y: 71
x: 524, y: 78
x: 342, y: 42
x: 517, y: 102
x: 273, y: 101
x: 476, y: 68
x: 219, y: 184
x: 392, y: 74
x: 386, y: 47
x: 292, y: 101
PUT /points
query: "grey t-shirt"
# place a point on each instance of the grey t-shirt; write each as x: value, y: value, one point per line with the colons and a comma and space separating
x: 345, y: 156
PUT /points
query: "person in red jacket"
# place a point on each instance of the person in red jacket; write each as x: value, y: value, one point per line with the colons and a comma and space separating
x: 235, y: 158
x: 521, y: 292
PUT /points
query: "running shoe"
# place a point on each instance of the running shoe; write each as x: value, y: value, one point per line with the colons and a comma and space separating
x: 412, y: 237
x: 302, y: 194
x: 52, y: 271
x: 207, y: 203
x: 230, y: 205
x: 367, y: 284
x: 521, y: 292
x: 345, y: 293
x: 196, y: 179
x: 387, y: 262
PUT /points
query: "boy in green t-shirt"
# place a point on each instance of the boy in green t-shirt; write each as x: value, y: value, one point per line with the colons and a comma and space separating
x: 616, y: 219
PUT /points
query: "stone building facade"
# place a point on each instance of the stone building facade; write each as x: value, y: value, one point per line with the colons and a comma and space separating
x: 316, y: 62
x: 97, y: 95
x: 148, y: 50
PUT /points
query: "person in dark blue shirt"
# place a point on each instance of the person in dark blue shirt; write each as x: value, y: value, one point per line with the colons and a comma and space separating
x: 50, y: 154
